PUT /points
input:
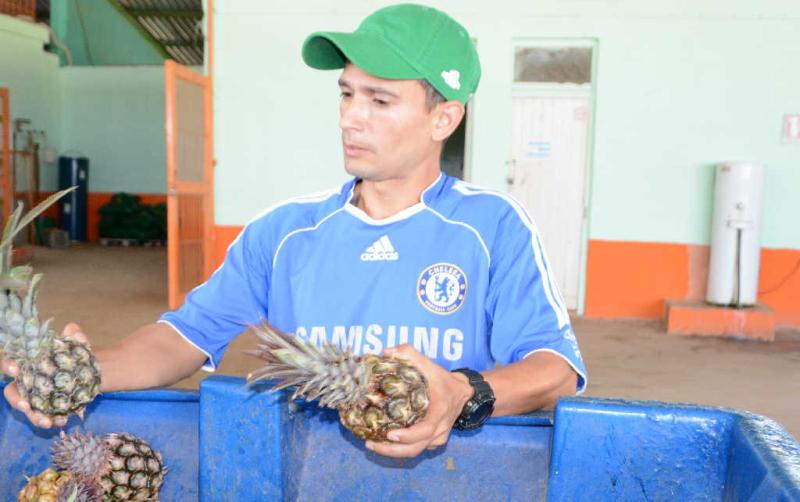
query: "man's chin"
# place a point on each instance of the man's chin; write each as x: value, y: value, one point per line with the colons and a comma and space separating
x: 359, y: 171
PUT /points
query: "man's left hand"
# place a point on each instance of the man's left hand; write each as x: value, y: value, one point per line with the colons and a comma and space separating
x: 448, y: 394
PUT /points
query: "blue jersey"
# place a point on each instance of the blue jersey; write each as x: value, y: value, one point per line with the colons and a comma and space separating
x: 461, y: 275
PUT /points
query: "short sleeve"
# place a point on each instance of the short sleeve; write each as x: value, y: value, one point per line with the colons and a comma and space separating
x: 524, y: 305
x: 233, y: 299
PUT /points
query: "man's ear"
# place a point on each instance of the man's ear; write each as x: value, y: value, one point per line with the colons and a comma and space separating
x: 446, y: 117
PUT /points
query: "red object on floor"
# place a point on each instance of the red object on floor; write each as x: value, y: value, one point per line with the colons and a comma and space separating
x: 21, y: 255
x: 695, y: 317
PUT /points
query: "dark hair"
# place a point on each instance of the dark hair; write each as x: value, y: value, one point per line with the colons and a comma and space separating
x: 432, y: 96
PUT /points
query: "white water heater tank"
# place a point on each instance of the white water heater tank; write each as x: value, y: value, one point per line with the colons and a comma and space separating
x: 735, y: 234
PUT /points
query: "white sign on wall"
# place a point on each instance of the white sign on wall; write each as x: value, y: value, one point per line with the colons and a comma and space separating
x: 791, y: 128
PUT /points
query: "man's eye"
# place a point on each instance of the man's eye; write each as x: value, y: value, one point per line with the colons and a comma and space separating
x: 381, y: 102
x: 344, y: 94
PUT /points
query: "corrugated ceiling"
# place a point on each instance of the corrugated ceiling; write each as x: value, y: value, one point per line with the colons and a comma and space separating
x: 175, y: 25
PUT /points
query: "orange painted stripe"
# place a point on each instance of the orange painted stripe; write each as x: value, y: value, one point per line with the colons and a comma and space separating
x: 777, y: 288
x: 632, y: 279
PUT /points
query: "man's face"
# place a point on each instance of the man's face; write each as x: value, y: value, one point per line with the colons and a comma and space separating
x: 386, y: 125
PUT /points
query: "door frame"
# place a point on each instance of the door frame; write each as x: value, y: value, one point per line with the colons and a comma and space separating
x: 172, y: 72
x: 7, y: 175
x: 531, y: 89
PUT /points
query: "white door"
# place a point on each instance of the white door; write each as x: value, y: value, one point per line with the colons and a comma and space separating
x: 546, y: 174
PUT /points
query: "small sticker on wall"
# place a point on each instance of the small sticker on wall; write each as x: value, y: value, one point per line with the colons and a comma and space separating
x: 791, y: 128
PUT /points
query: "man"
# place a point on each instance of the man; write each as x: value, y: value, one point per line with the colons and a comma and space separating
x: 401, y: 259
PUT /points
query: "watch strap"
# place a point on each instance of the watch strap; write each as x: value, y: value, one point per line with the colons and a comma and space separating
x: 482, y: 394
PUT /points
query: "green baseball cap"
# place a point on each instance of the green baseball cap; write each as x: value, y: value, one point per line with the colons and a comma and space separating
x: 403, y: 42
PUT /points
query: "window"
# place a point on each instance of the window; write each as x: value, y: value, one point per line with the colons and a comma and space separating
x: 561, y: 65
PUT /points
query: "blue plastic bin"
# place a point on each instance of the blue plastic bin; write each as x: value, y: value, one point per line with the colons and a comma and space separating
x: 228, y: 443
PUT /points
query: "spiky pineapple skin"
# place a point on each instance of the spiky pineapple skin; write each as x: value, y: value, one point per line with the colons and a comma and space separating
x: 125, y: 466
x: 44, y: 487
x: 57, y: 376
x: 81, y: 454
x: 62, y: 380
x: 397, y: 398
x: 373, y: 394
x: 80, y: 489
x: 137, y: 471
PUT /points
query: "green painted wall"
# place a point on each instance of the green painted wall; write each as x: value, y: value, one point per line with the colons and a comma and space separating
x: 680, y: 86
x: 115, y: 116
x: 32, y: 77
x: 97, y: 34
x: 112, y: 114
x: 700, y: 92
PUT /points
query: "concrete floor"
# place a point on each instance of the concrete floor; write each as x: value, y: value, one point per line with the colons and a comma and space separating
x: 112, y: 291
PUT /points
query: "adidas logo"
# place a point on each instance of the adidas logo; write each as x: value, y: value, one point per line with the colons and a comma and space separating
x: 380, y: 250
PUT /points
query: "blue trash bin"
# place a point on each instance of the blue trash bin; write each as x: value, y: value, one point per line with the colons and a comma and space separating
x: 73, y: 171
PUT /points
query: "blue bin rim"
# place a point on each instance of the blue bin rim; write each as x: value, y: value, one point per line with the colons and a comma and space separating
x: 161, y: 395
x: 769, y: 438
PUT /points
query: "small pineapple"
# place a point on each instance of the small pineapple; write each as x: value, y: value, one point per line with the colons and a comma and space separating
x: 44, y: 487
x: 57, y: 376
x: 60, y: 486
x: 373, y: 394
x: 126, y: 466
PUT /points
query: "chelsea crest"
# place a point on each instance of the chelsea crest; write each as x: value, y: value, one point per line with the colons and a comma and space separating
x: 441, y: 288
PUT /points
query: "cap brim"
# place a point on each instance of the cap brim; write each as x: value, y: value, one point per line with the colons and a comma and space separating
x: 331, y: 50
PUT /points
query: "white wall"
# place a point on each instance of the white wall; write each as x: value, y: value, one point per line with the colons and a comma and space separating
x: 32, y: 77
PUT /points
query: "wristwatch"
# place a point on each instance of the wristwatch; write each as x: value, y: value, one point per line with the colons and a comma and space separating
x: 480, y: 405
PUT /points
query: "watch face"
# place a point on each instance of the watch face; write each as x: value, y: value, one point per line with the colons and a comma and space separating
x: 483, y: 410
x: 477, y: 414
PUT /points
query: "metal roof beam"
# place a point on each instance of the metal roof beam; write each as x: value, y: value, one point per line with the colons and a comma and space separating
x: 166, y: 13
x: 175, y: 43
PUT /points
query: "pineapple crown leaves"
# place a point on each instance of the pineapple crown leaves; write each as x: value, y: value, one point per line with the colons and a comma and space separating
x: 22, y: 334
x: 327, y: 373
x: 16, y: 278
x: 82, y: 455
x: 16, y: 222
x: 80, y: 489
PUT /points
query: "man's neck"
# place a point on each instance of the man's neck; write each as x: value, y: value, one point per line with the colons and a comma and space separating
x: 383, y: 199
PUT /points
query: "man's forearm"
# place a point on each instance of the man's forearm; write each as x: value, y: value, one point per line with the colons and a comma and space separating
x: 155, y: 355
x: 533, y: 383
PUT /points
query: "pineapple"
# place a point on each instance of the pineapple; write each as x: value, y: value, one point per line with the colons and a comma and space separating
x: 44, y: 487
x: 80, y: 489
x: 126, y: 466
x: 53, y: 486
x: 373, y: 394
x: 57, y: 376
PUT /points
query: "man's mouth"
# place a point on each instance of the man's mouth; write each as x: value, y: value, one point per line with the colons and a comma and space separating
x: 354, y: 149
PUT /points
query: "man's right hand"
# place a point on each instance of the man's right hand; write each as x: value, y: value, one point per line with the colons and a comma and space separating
x: 11, y: 392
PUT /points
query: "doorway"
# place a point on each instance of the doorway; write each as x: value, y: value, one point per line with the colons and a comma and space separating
x: 552, y: 99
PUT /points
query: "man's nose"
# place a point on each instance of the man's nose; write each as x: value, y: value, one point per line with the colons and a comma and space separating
x: 353, y: 115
